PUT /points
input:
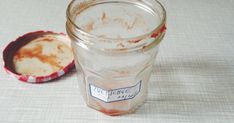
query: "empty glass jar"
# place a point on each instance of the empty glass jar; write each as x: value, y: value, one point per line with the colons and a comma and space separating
x: 115, y: 43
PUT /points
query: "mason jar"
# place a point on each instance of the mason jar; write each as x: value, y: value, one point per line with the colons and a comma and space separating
x: 115, y: 43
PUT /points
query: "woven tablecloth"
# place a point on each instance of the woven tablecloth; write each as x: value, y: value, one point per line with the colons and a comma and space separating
x: 192, y: 81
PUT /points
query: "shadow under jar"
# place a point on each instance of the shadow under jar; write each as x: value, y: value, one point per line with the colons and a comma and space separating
x: 115, y: 43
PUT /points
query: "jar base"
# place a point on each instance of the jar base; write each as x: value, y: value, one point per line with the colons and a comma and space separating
x: 115, y: 112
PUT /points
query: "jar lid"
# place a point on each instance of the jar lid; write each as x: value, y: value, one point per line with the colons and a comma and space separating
x: 39, y: 57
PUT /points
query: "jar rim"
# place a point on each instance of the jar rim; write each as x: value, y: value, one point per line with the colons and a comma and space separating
x: 156, y: 29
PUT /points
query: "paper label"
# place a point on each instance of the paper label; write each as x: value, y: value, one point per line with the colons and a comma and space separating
x: 115, y: 94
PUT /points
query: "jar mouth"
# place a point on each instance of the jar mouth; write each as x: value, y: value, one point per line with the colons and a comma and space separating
x: 159, y: 28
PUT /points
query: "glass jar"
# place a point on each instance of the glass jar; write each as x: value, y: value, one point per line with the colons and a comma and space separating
x: 115, y: 43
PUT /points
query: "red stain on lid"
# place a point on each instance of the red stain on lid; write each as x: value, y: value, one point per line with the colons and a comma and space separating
x: 36, y: 52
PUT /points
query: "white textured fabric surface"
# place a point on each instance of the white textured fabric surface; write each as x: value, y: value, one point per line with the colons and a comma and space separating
x: 192, y: 82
